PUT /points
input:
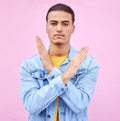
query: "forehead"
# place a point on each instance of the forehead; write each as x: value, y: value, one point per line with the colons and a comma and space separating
x: 59, y: 16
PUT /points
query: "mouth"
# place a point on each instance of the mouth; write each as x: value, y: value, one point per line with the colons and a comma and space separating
x: 59, y: 35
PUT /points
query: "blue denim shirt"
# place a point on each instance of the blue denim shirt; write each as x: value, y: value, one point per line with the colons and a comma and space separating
x: 39, y: 89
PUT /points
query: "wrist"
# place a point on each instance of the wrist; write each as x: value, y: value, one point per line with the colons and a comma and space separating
x: 50, y: 68
x: 65, y: 77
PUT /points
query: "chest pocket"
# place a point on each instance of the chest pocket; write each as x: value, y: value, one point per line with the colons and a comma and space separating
x: 40, y: 76
x: 78, y: 76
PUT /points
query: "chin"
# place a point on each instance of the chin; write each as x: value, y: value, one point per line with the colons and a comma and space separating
x: 59, y: 43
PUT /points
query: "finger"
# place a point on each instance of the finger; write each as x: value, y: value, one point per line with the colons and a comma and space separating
x: 86, y: 49
x: 40, y: 45
x: 82, y: 54
x: 39, y: 41
x: 83, y: 51
x: 37, y: 37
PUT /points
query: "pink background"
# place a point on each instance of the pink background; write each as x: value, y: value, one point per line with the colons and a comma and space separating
x: 97, y: 25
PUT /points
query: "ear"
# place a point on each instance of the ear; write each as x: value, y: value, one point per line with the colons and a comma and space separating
x: 73, y: 28
x: 46, y: 27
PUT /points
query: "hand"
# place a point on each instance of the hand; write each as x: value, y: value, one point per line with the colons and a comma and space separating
x: 44, y: 55
x: 74, y: 64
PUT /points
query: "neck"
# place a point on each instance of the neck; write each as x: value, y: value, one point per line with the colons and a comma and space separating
x: 59, y: 50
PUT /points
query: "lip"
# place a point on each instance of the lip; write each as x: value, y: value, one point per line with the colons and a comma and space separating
x: 59, y: 35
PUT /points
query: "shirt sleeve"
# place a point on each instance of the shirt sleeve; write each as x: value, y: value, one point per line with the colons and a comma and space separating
x: 34, y: 97
x: 78, y: 95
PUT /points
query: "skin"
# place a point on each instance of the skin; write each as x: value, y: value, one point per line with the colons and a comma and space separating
x: 60, y: 28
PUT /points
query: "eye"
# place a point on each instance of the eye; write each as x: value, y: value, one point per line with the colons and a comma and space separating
x: 53, y: 23
x: 65, y: 24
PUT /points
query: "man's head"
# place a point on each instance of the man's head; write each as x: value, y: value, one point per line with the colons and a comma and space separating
x: 61, y: 7
x: 60, y: 24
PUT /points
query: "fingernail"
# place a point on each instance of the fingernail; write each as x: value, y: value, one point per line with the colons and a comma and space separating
x: 37, y: 37
x: 87, y: 47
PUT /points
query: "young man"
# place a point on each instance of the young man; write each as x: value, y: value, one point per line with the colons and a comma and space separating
x: 57, y: 84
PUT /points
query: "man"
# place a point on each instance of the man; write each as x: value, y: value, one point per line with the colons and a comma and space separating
x: 57, y: 84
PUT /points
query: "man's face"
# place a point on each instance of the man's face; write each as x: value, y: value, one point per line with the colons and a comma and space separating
x: 59, y: 27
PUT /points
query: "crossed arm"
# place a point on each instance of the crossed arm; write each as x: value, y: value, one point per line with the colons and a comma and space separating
x: 72, y: 67
x: 36, y: 100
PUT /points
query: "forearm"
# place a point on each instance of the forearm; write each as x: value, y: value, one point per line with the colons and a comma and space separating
x: 36, y: 100
x: 74, y: 98
x: 37, y: 95
x: 78, y: 94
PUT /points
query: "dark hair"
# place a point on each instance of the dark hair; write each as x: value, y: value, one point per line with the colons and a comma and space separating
x: 61, y: 7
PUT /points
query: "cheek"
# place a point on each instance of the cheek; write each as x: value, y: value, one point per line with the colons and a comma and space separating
x: 50, y: 34
x: 50, y: 31
x: 69, y: 32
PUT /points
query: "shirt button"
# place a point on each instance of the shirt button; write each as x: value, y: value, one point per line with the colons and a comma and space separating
x: 62, y: 89
x: 40, y: 75
x: 48, y: 116
x: 52, y: 77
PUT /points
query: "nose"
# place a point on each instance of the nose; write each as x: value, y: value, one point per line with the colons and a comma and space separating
x: 59, y: 28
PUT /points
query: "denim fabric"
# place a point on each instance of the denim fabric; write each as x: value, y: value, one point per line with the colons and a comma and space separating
x: 39, y: 89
